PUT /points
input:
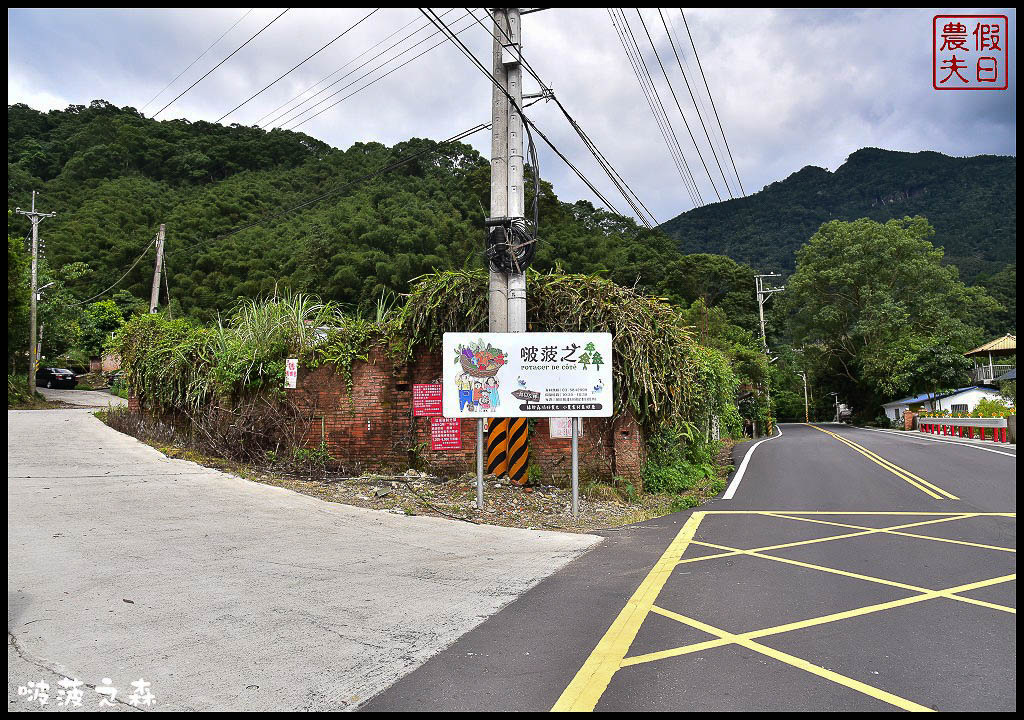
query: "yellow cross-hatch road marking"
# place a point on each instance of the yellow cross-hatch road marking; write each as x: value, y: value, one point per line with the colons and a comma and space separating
x: 894, y: 531
x: 610, y: 654
x: 835, y: 677
x: 592, y: 679
x: 856, y: 576
x: 844, y: 536
x: 902, y: 473
x: 810, y: 622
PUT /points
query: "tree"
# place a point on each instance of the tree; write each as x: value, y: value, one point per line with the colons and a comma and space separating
x: 18, y: 297
x: 874, y: 304
x: 101, y: 319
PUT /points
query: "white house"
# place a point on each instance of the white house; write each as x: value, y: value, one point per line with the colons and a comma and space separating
x: 963, y: 400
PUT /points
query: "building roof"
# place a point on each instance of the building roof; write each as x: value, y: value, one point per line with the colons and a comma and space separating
x: 924, y: 397
x: 1012, y: 375
x: 1006, y: 345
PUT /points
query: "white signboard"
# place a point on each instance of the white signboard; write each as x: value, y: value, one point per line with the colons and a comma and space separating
x: 562, y: 428
x: 527, y: 375
x: 291, y: 372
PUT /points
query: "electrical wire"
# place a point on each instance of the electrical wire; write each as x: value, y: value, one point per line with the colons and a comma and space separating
x: 678, y: 106
x: 218, y: 64
x: 632, y: 49
x: 330, y: 75
x: 711, y: 97
x: 143, y: 108
x: 308, y: 58
x: 167, y: 289
x: 673, y: 151
x: 116, y: 282
x: 365, y: 75
x: 632, y: 199
x: 476, y: 62
x: 693, y: 99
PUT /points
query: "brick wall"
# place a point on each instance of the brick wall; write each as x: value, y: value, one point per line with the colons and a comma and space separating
x: 372, y: 426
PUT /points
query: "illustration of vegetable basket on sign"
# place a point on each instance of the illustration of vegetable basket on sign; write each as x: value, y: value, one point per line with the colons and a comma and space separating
x: 527, y: 375
x: 478, y: 387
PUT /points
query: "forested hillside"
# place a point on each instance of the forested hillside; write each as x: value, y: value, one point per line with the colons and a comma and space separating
x: 971, y: 202
x: 113, y: 176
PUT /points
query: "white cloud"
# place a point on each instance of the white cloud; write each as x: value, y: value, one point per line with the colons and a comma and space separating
x: 793, y: 88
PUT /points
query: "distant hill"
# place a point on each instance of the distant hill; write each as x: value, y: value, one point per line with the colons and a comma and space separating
x: 971, y: 202
x: 252, y: 212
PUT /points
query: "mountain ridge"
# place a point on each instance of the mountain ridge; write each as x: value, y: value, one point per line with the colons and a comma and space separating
x: 971, y: 202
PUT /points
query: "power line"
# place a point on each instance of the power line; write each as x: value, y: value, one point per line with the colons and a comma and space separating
x: 365, y: 75
x: 167, y: 288
x: 700, y: 103
x: 678, y: 106
x: 330, y: 75
x: 693, y: 99
x: 310, y: 57
x: 526, y: 121
x: 116, y: 282
x: 632, y: 49
x: 620, y: 183
x: 710, y: 97
x: 196, y: 60
x: 218, y: 64
x: 673, y: 150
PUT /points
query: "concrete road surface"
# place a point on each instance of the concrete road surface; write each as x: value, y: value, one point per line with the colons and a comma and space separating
x: 85, y: 398
x: 851, y: 570
x: 225, y: 594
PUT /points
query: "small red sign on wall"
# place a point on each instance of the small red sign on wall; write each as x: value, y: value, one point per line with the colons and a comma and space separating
x: 426, y: 400
x: 445, y: 433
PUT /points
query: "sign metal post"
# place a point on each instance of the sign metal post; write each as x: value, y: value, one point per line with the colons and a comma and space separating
x: 480, y: 464
x: 575, y: 468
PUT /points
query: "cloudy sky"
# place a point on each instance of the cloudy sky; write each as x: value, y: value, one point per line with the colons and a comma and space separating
x: 792, y: 88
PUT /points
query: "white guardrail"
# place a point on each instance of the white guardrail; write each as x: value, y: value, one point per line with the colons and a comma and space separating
x: 957, y: 426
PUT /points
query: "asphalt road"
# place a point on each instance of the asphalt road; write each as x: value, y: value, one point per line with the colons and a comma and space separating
x: 226, y: 594
x: 852, y: 570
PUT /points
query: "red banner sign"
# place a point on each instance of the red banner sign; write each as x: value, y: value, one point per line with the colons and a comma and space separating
x: 445, y: 433
x: 426, y: 400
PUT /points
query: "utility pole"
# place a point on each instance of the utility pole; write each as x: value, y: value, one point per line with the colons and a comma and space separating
x: 807, y: 407
x: 36, y: 218
x: 154, y: 294
x: 507, y: 291
x: 763, y: 294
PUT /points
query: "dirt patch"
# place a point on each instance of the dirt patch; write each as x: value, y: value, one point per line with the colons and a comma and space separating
x: 537, y: 507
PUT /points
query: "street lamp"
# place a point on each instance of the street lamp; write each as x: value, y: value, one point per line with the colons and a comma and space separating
x: 837, y: 405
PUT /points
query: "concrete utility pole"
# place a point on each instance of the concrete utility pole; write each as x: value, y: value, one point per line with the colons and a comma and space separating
x: 36, y: 218
x: 763, y: 294
x: 516, y: 192
x: 154, y: 294
x: 807, y: 407
x: 497, y: 286
x: 506, y: 445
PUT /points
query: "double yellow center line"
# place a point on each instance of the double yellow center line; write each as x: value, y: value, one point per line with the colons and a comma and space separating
x: 902, y: 473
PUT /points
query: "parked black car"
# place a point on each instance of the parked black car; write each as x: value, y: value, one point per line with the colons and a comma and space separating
x: 55, y: 378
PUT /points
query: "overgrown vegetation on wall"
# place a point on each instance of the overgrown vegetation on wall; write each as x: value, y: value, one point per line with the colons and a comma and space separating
x: 663, y: 376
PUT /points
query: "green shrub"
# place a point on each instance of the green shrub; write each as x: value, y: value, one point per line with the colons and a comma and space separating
x: 679, y: 459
